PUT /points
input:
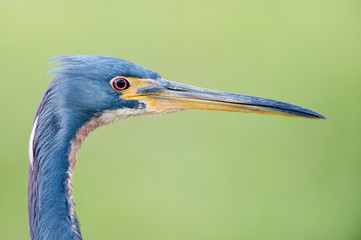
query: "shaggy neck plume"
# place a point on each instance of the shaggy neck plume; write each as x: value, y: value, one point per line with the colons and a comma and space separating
x: 55, y: 141
x: 51, y: 202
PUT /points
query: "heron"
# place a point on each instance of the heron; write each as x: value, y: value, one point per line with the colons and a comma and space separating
x: 89, y: 91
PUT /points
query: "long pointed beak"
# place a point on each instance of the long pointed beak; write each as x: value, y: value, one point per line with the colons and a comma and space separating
x: 177, y: 96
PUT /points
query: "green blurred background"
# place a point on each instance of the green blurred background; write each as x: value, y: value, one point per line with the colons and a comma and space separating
x: 198, y: 174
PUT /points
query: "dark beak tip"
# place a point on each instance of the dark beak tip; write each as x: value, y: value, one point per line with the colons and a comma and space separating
x: 319, y: 116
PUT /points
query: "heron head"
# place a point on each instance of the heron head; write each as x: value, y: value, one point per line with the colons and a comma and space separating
x: 115, y: 88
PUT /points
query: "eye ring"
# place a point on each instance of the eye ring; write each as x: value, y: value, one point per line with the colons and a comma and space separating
x: 120, y: 83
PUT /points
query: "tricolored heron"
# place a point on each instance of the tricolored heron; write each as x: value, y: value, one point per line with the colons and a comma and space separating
x: 90, y: 91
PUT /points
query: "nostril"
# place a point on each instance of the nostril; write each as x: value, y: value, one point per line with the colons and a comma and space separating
x: 177, y: 89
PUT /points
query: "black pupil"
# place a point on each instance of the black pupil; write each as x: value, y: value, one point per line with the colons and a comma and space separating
x: 121, y: 84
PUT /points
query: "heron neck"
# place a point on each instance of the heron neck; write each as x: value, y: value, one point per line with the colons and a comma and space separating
x: 50, y: 193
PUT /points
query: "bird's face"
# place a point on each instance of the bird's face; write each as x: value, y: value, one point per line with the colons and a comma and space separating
x: 115, y: 89
x: 163, y: 96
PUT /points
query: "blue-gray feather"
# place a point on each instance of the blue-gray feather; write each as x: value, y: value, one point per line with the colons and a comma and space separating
x: 101, y: 67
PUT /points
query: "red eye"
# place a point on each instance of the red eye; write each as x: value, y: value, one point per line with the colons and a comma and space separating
x: 120, y: 84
